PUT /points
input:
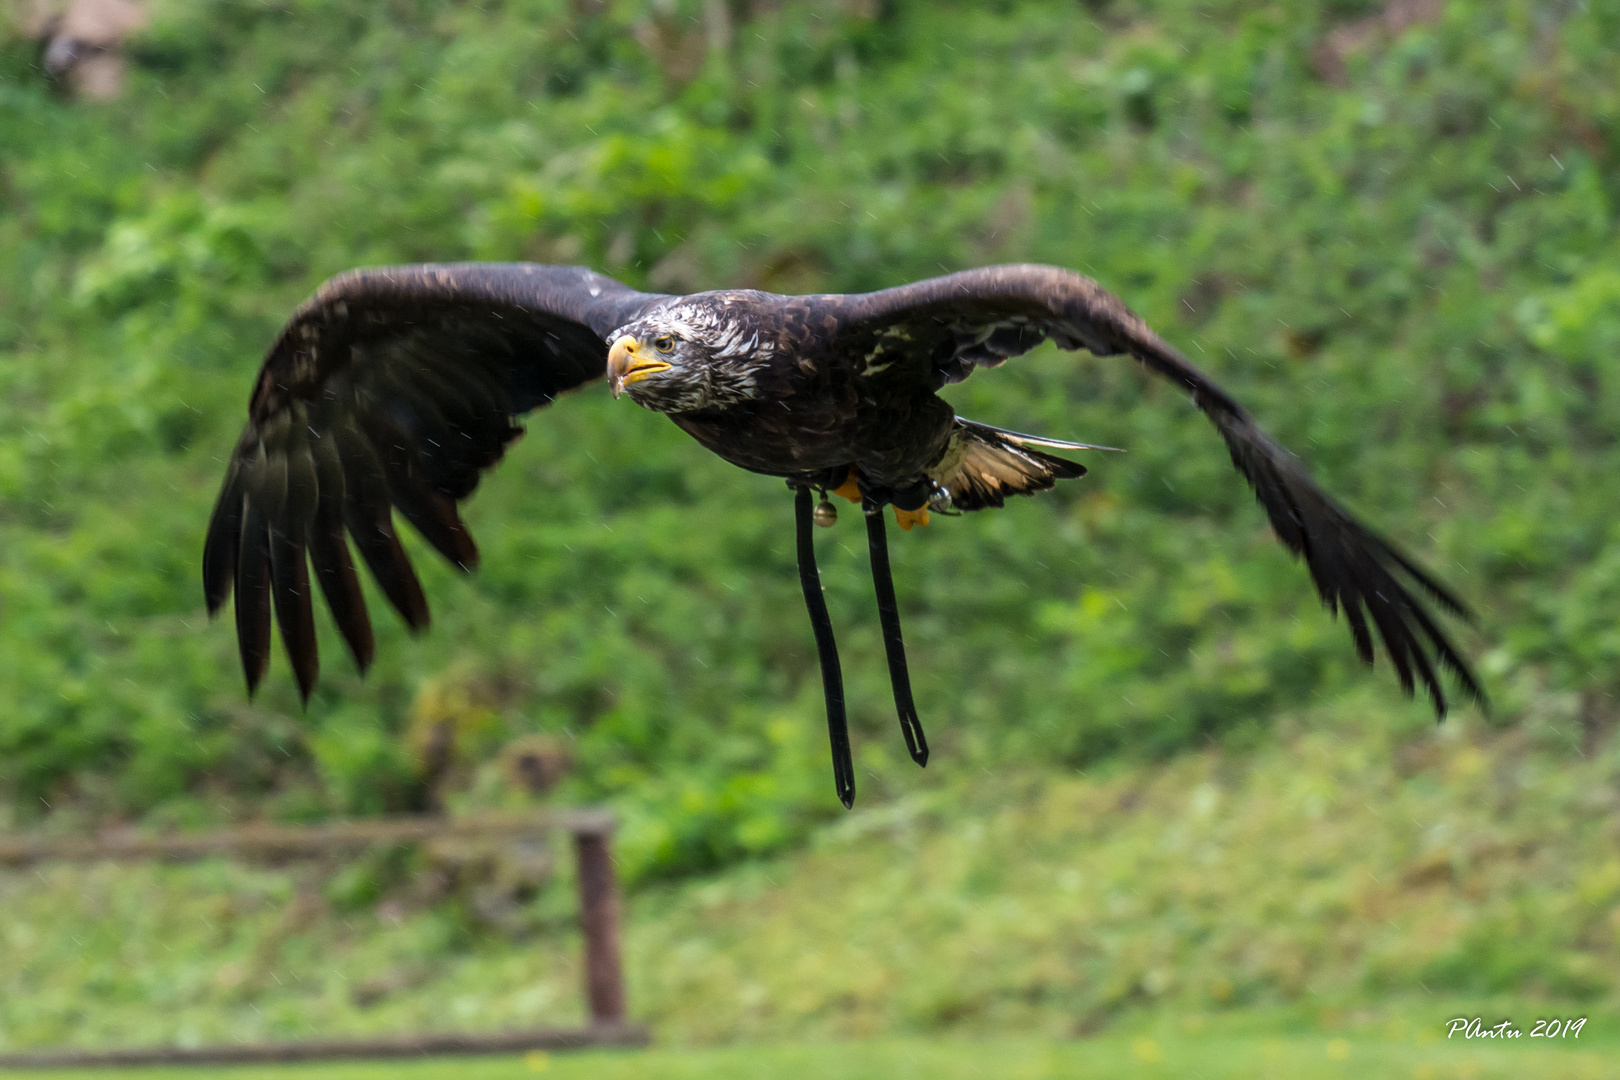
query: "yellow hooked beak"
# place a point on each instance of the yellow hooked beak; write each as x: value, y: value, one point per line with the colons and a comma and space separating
x: 628, y: 362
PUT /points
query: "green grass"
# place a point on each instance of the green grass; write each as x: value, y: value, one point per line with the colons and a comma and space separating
x: 1320, y: 884
x: 1146, y: 1056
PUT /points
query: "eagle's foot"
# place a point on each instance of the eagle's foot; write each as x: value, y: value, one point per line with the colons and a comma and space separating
x: 850, y: 488
x: 907, y: 518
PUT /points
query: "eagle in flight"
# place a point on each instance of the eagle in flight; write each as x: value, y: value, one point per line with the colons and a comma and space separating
x: 394, y: 388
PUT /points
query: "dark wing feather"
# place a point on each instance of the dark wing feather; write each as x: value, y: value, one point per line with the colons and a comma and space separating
x: 391, y: 388
x: 935, y: 332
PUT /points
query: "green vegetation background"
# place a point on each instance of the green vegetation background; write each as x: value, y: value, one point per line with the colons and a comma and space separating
x: 1397, y: 246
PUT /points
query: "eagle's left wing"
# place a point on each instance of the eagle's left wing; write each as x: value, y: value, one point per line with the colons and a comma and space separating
x: 392, y: 388
x: 937, y: 331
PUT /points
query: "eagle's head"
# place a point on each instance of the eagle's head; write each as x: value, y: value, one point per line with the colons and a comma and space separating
x: 687, y: 357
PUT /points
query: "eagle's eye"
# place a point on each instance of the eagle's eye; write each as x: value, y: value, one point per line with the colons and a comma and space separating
x: 664, y: 344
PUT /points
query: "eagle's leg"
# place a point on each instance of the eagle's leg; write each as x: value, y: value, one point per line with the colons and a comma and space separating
x: 832, y: 680
x: 889, y: 615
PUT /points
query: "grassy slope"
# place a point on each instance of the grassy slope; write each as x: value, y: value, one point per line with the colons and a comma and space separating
x: 1363, y: 888
x: 1352, y: 260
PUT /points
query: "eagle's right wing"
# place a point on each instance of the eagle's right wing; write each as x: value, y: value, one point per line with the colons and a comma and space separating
x: 937, y: 331
x: 392, y: 387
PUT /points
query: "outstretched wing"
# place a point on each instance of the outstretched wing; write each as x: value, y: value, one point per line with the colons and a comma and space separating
x: 937, y: 331
x: 394, y: 388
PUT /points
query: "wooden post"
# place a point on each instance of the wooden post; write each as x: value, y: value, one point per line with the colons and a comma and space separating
x: 599, y: 920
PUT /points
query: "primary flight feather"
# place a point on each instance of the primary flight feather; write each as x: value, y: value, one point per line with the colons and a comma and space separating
x: 395, y: 388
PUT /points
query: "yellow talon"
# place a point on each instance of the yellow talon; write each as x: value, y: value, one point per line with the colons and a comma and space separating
x: 908, y: 518
x: 849, y: 489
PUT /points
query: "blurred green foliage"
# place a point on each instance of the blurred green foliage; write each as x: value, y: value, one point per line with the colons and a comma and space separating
x: 1397, y: 248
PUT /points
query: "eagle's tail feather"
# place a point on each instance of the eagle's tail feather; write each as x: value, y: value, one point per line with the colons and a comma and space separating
x: 982, y: 465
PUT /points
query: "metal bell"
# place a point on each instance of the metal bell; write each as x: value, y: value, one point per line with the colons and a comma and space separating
x: 826, y: 514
